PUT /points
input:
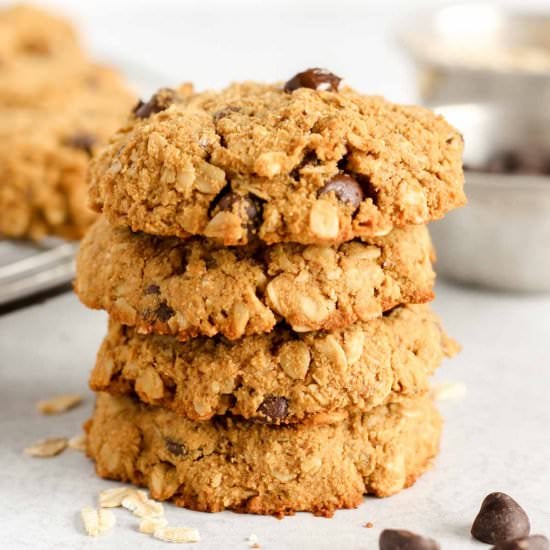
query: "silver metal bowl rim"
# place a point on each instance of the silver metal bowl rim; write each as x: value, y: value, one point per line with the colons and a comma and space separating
x: 404, y: 40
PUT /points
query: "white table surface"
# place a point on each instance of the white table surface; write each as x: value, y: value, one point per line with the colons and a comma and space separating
x: 496, y: 438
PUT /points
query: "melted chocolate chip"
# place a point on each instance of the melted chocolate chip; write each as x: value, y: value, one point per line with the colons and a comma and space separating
x: 274, y: 407
x: 316, y: 79
x: 248, y: 208
x: 82, y: 141
x: 152, y: 289
x: 499, y: 519
x: 164, y: 312
x: 346, y: 188
x: 399, y: 539
x: 177, y: 449
x: 159, y: 101
x: 534, y: 542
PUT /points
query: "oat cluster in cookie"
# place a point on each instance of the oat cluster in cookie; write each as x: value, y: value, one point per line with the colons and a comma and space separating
x: 57, y: 107
x: 282, y: 163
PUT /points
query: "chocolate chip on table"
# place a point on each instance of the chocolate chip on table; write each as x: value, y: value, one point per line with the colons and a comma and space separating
x: 399, y: 539
x: 177, y: 449
x: 534, y: 542
x: 274, y: 407
x: 346, y: 188
x: 83, y: 141
x: 500, y: 519
x: 316, y: 79
x: 160, y: 100
x: 164, y: 312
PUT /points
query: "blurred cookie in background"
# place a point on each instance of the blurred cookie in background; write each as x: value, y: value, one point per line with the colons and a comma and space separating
x: 56, y: 108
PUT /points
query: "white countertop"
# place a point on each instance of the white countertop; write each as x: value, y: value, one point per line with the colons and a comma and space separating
x: 496, y: 437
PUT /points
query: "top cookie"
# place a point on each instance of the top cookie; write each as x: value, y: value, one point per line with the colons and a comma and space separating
x: 306, y: 162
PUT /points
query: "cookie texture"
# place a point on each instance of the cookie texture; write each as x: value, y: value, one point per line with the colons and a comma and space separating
x: 314, y: 166
x: 45, y: 153
x: 278, y: 377
x: 257, y: 468
x: 194, y: 287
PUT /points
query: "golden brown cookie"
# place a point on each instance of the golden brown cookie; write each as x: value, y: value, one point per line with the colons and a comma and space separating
x: 280, y: 377
x: 257, y: 468
x: 198, y: 287
x: 45, y: 153
x: 285, y: 163
x: 40, y: 57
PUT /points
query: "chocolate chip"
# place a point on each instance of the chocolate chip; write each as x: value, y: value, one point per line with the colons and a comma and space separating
x: 82, y: 141
x: 499, y: 519
x: 159, y: 101
x: 247, y: 207
x: 164, y: 312
x: 274, y: 407
x: 316, y: 79
x: 177, y: 449
x: 534, y: 542
x: 152, y: 289
x: 346, y: 188
x: 399, y: 539
x: 226, y: 111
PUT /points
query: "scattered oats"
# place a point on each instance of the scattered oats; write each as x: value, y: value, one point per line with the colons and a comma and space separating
x: 253, y: 541
x: 150, y: 525
x: 177, y: 534
x: 59, y: 403
x: 112, y: 498
x: 51, y: 446
x: 369, y: 525
x: 97, y: 522
x: 141, y: 506
x: 449, y: 391
x: 78, y: 443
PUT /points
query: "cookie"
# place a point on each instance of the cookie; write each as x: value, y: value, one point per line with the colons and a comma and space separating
x: 45, y: 153
x: 308, y: 162
x: 198, y: 287
x: 40, y: 57
x: 257, y: 468
x: 280, y: 377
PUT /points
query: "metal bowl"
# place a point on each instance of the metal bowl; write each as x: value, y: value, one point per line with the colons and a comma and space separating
x: 480, y: 51
x: 502, y: 238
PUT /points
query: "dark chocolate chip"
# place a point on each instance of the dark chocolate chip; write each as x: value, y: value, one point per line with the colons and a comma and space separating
x: 159, y: 101
x: 248, y: 208
x: 534, y: 542
x: 274, y: 407
x: 152, y: 289
x: 164, y: 312
x: 226, y: 111
x: 177, y: 449
x: 499, y: 519
x: 82, y: 141
x: 346, y: 188
x: 399, y: 539
x: 316, y: 79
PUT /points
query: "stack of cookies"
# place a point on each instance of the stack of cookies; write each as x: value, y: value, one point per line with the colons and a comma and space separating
x: 56, y: 108
x: 264, y: 263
